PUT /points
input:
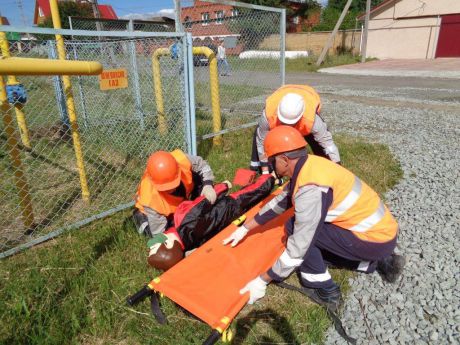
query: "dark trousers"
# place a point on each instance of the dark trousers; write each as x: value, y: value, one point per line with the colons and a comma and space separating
x: 255, y: 161
x: 338, y: 247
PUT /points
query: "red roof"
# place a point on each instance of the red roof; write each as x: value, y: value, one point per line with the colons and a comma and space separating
x: 5, y: 21
x: 106, y: 11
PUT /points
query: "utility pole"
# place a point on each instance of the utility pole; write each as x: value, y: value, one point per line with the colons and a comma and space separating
x: 23, y: 16
x: 96, y: 14
x: 366, y: 28
x: 178, y: 16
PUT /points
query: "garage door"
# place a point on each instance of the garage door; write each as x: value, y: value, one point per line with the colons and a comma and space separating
x: 449, y: 37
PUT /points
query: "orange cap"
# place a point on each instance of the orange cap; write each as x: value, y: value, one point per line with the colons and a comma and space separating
x: 163, y: 170
x: 283, y: 139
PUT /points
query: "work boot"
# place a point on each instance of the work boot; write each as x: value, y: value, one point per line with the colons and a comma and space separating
x: 330, y: 298
x: 391, y: 267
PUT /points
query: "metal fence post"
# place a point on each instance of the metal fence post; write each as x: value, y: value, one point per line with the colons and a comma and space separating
x: 136, y: 85
x: 190, y: 92
x: 283, y: 46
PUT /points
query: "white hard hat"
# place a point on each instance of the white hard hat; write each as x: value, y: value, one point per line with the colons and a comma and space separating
x: 291, y: 108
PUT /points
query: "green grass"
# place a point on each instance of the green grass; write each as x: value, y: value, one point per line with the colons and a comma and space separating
x: 72, y: 290
x: 307, y: 64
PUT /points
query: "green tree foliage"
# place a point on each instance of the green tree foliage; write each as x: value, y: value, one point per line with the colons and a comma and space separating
x: 332, y: 11
x: 69, y: 9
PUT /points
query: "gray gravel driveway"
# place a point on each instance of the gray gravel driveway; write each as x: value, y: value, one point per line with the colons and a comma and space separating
x: 419, y: 119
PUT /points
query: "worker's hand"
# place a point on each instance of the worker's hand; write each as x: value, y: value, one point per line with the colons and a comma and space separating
x: 236, y: 236
x: 256, y: 289
x: 209, y: 193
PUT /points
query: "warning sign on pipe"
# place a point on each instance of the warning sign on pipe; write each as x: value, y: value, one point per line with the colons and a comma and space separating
x: 111, y: 79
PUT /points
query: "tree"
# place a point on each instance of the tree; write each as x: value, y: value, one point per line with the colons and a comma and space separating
x: 69, y: 9
x: 332, y: 11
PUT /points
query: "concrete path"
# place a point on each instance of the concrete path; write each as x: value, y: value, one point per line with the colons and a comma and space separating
x: 434, y: 68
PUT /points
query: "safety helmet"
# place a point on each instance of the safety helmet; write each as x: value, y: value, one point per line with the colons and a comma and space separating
x: 163, y: 170
x: 291, y: 108
x: 283, y: 139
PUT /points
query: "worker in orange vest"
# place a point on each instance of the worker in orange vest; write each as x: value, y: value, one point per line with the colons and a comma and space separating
x: 338, y: 219
x: 169, y: 179
x: 298, y: 106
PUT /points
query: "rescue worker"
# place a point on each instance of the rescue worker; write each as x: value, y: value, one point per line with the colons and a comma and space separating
x: 298, y: 106
x: 338, y: 219
x: 169, y: 179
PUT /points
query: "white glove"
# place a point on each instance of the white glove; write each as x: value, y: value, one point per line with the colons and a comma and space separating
x: 236, y: 236
x: 209, y: 193
x: 256, y: 289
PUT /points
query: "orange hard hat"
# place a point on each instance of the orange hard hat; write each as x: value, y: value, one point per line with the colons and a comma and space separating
x: 283, y: 139
x: 163, y: 170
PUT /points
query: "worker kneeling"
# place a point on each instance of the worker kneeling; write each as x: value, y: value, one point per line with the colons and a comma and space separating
x: 338, y: 220
x: 168, y: 180
x: 197, y: 221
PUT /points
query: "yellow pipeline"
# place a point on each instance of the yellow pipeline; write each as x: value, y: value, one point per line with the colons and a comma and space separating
x: 20, y: 117
x: 158, y: 89
x: 213, y: 79
x: 70, y: 103
x: 21, y: 182
x: 30, y: 66
x: 214, y: 82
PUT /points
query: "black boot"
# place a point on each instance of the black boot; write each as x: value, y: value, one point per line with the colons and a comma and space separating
x: 330, y: 298
x: 391, y: 267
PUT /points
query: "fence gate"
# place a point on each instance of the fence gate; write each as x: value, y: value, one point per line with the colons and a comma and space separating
x: 252, y: 67
x: 119, y: 125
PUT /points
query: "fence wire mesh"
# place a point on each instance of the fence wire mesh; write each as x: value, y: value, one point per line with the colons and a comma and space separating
x: 40, y: 183
x: 248, y: 45
x: 93, y: 24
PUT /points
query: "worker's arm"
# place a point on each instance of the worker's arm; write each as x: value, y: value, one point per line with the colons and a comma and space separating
x: 262, y: 130
x: 272, y: 209
x: 201, y: 167
x: 157, y: 221
x: 311, y: 204
x: 324, y: 138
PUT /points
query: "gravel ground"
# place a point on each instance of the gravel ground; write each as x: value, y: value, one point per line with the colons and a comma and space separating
x: 423, y: 306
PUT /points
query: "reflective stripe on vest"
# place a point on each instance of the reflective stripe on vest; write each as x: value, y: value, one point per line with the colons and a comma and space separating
x: 355, y: 206
x: 164, y: 203
x: 312, y: 107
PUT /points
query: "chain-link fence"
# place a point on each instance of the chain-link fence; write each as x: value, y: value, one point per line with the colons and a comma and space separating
x: 248, y: 42
x: 42, y: 188
x: 93, y: 24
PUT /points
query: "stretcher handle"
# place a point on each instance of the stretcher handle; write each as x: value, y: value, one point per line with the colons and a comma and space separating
x: 213, y: 338
x: 139, y: 296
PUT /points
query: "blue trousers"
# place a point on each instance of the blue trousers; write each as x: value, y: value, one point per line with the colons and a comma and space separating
x: 338, y: 247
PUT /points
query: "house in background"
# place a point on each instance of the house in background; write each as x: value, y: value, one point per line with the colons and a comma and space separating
x: 42, y: 10
x: 299, y: 23
x: 414, y: 29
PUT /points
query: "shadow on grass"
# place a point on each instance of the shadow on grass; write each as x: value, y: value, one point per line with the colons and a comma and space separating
x: 279, y: 324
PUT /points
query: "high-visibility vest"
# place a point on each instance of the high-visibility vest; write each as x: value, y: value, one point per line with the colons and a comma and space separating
x: 162, y: 202
x: 312, y: 107
x: 355, y: 206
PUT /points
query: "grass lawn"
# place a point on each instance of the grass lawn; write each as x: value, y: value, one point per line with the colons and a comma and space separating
x: 72, y: 290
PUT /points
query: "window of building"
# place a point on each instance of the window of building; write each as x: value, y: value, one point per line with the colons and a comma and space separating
x: 205, y: 18
x: 40, y: 12
x: 296, y: 20
x: 219, y: 17
x: 188, y: 22
x: 234, y: 12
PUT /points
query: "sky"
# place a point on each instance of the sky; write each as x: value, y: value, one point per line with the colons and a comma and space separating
x: 123, y: 8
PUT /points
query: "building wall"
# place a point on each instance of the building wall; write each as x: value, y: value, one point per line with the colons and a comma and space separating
x: 313, y: 42
x: 407, y: 29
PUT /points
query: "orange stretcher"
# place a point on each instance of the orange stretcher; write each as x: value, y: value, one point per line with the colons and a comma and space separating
x: 207, y: 282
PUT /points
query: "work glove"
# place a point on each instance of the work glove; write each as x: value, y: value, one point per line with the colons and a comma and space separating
x: 256, y: 289
x: 209, y: 193
x: 236, y: 236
